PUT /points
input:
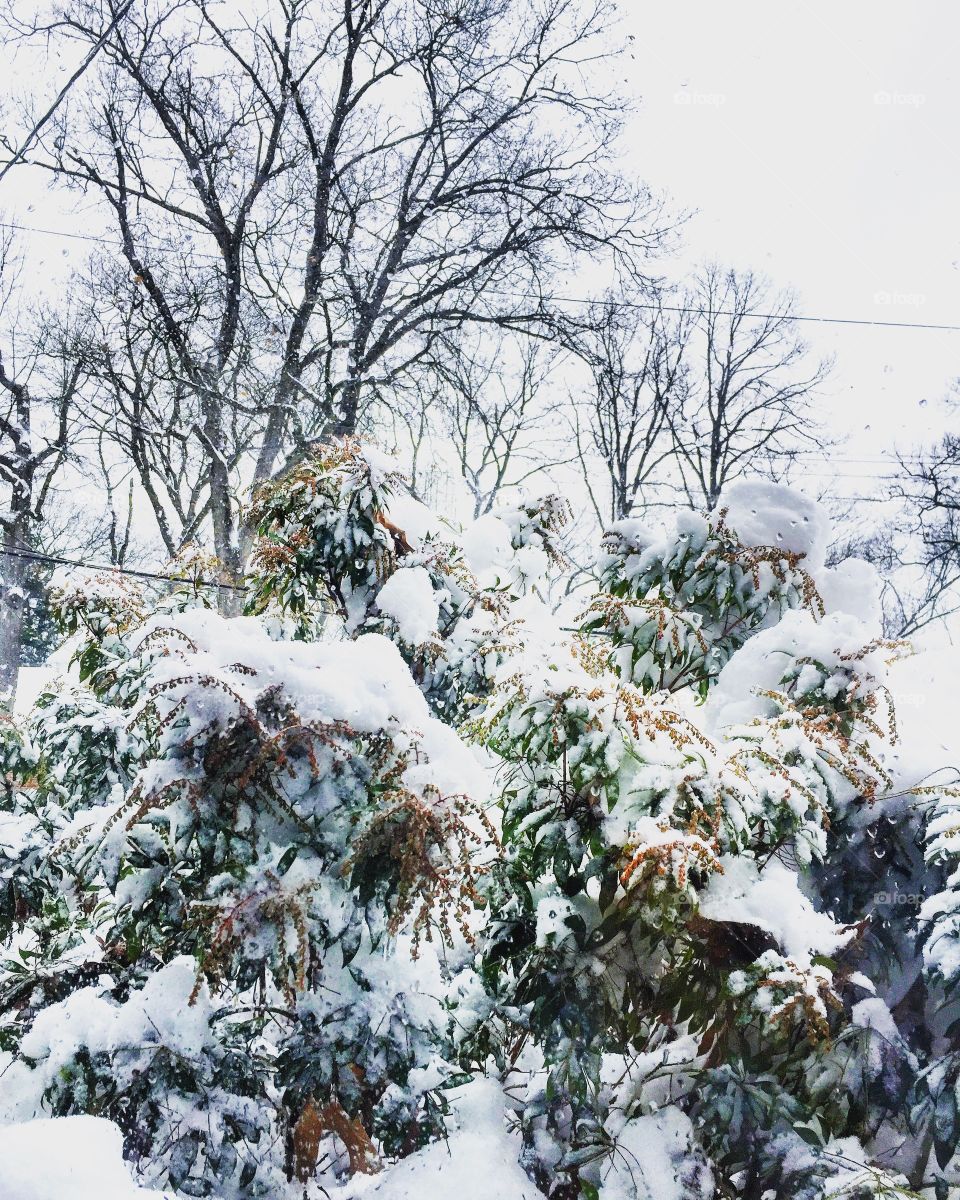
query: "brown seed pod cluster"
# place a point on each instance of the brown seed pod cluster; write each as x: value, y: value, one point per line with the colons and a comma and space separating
x: 428, y: 849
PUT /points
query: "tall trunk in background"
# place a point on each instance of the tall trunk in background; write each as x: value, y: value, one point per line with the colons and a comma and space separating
x: 224, y: 514
x: 226, y: 544
x: 19, y: 466
x: 14, y: 533
x: 27, y: 470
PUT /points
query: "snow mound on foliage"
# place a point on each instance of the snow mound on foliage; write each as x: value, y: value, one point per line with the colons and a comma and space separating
x: 478, y: 1162
x: 486, y: 544
x: 769, y: 514
x: 408, y: 597
x: 417, y: 522
x: 771, y: 900
x: 364, y: 683
x: 67, y: 1158
x: 512, y: 546
x: 654, y: 1161
x: 759, y: 664
x: 164, y: 1011
x: 853, y: 586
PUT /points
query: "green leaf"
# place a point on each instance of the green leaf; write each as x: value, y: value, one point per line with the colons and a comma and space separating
x: 286, y: 860
x: 608, y: 888
x: 945, y: 1126
x: 182, y: 1158
x: 578, y: 926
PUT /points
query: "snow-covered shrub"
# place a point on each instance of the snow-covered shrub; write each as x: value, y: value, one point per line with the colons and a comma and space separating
x: 325, y: 542
x: 266, y: 910
x: 328, y: 543
x: 661, y: 903
x: 677, y: 606
x: 516, y: 547
x: 199, y: 955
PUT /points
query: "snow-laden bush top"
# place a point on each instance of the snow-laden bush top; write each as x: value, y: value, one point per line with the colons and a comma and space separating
x: 402, y: 854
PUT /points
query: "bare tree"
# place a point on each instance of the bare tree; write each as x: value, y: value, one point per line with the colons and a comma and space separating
x: 357, y: 182
x: 748, y: 388
x: 919, y: 557
x: 39, y: 385
x: 149, y: 417
x: 918, y: 589
x: 634, y: 349
x: 499, y: 413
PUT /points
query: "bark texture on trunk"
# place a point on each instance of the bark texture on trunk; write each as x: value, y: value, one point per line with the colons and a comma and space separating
x: 13, y: 613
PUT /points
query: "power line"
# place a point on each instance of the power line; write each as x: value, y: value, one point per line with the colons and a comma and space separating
x: 34, y: 556
x: 864, y: 322
x: 720, y: 312
x: 100, y: 240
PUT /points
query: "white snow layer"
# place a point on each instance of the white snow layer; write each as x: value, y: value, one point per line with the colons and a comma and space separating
x: 364, y: 683
x: 649, y: 1164
x: 66, y: 1158
x: 759, y: 664
x: 769, y: 514
x: 486, y: 544
x: 771, y: 900
x: 478, y: 1162
x: 853, y: 586
x: 408, y: 597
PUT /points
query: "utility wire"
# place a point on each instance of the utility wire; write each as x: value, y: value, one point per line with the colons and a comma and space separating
x: 720, y: 312
x: 108, y: 568
x: 100, y: 240
x: 679, y: 308
x: 34, y: 556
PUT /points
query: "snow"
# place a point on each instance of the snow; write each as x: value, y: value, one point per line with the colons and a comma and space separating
x: 852, y: 586
x: 924, y: 691
x: 552, y: 913
x: 760, y: 664
x: 486, y: 544
x: 66, y: 1158
x: 159, y: 1013
x: 769, y: 514
x: 508, y: 547
x: 31, y: 682
x: 478, y: 1162
x: 771, y: 899
x: 408, y: 597
x: 363, y: 682
x: 854, y: 1174
x: 873, y: 1013
x: 382, y: 465
x: 653, y: 1163
x: 415, y: 519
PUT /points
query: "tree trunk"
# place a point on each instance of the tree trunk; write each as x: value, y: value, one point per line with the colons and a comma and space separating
x: 13, y: 611
x: 226, y: 533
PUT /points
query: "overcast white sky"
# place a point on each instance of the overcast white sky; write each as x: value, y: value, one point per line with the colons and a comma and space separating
x: 816, y: 142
